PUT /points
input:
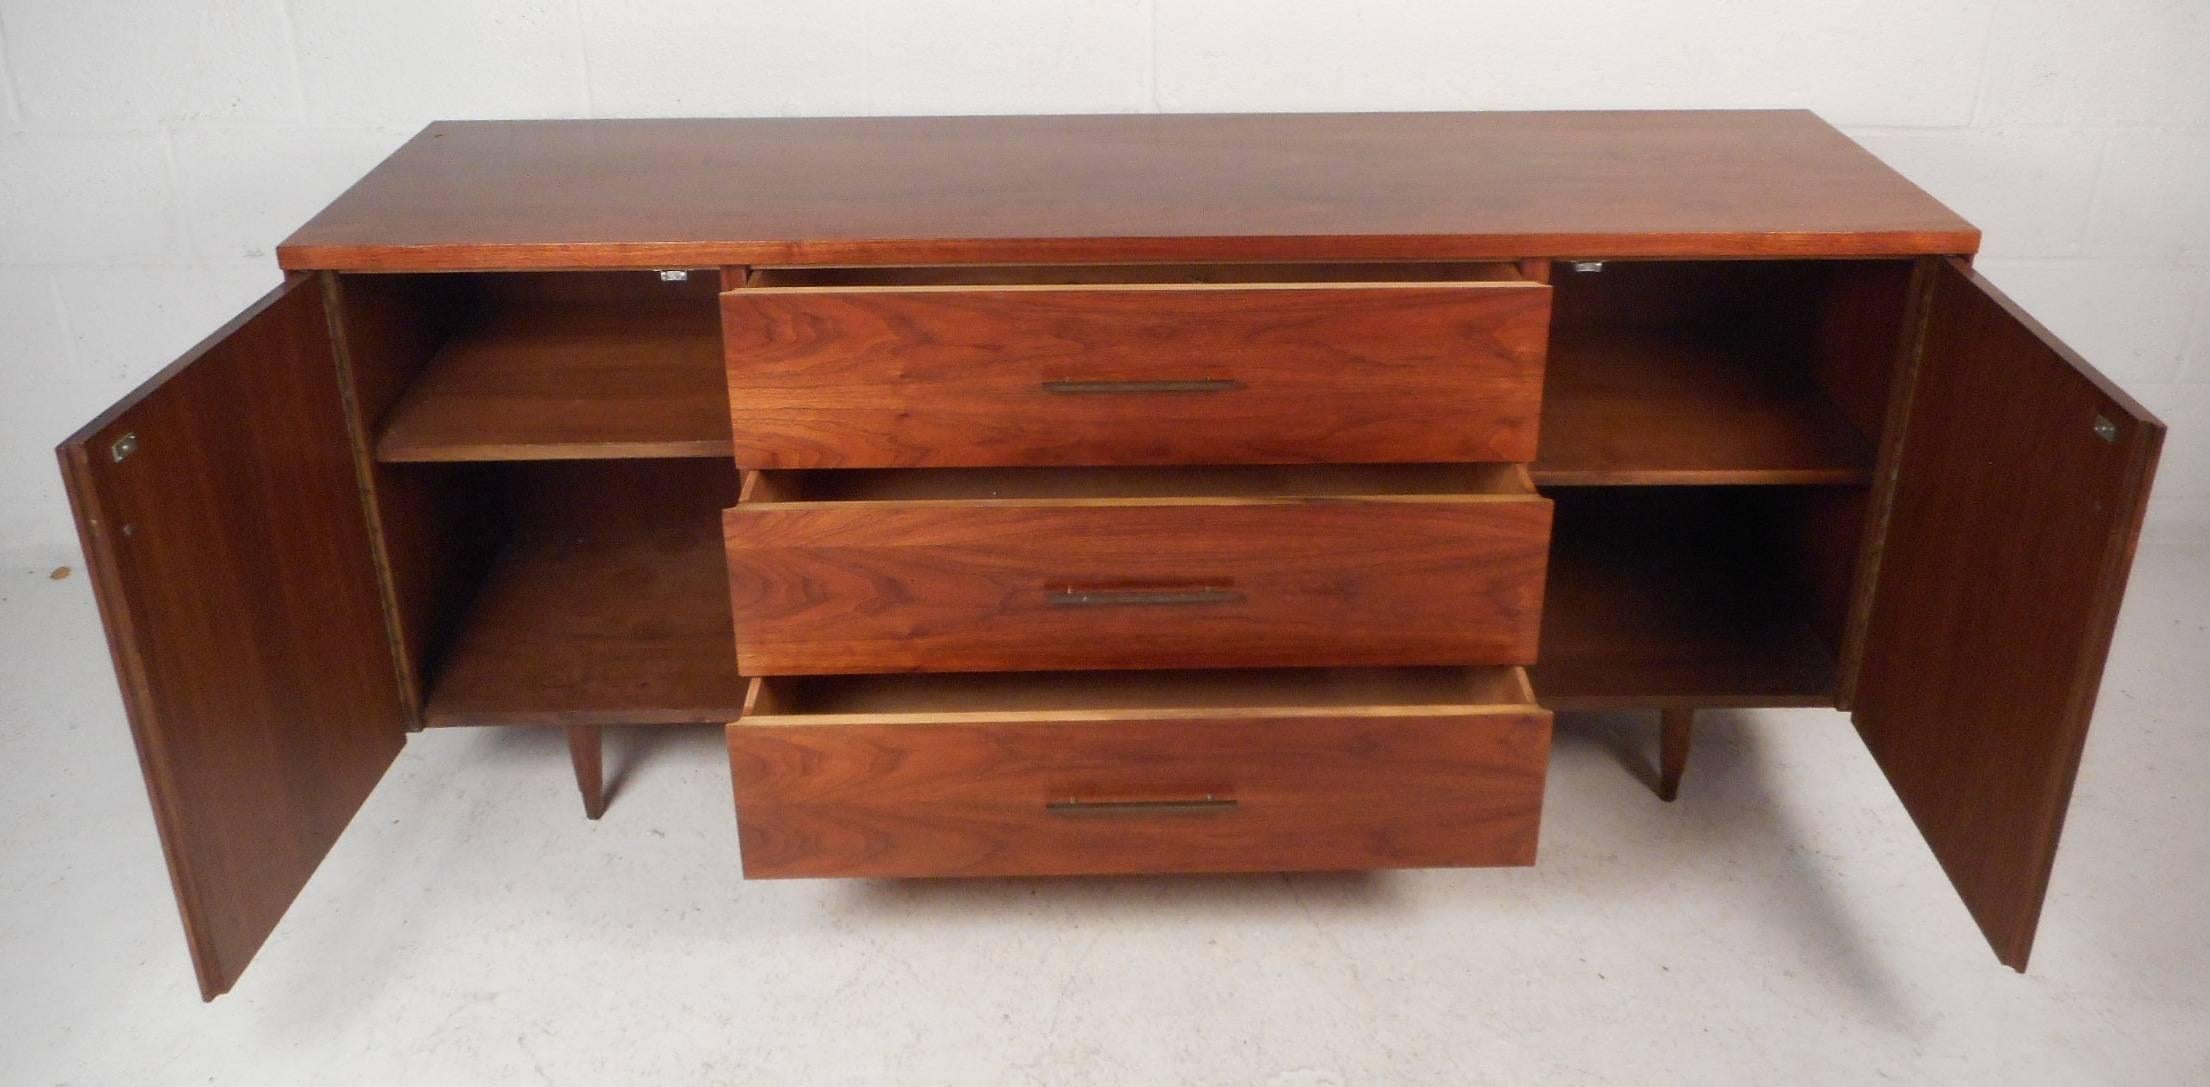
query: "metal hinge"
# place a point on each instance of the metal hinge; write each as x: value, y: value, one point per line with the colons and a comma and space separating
x: 2105, y: 429
x: 674, y: 275
x: 123, y: 448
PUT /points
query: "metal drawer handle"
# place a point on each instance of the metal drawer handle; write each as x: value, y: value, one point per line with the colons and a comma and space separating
x: 1208, y: 804
x: 1076, y: 596
x: 1123, y: 388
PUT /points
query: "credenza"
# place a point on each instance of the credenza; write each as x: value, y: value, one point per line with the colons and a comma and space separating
x: 1115, y: 494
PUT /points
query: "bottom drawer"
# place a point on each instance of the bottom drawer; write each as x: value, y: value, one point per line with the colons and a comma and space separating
x: 1132, y: 772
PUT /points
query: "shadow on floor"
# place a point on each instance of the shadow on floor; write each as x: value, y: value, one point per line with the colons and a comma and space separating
x: 1731, y: 823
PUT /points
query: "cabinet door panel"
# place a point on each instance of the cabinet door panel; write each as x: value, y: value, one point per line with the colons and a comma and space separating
x: 221, y: 517
x: 2022, y: 482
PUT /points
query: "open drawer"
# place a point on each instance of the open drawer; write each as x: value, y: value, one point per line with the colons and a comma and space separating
x: 1136, y: 772
x: 983, y: 570
x: 1135, y: 364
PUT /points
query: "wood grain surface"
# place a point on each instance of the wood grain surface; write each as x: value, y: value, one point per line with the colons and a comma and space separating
x: 1720, y: 372
x: 608, y: 605
x: 1663, y: 596
x: 934, y: 190
x: 1103, y: 790
x: 977, y: 585
x: 1685, y: 407
x: 229, y: 550
x: 433, y: 529
x: 624, y: 374
x: 1146, y: 374
x: 2006, y: 557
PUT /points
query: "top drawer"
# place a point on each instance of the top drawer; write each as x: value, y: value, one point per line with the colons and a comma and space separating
x: 1135, y: 365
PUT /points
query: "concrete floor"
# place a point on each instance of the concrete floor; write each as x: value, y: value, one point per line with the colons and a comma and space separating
x: 1781, y: 923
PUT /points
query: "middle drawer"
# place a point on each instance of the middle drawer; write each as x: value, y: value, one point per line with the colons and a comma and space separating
x: 970, y: 570
x: 1124, y: 365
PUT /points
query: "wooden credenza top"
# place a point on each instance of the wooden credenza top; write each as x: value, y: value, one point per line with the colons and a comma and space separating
x: 694, y: 193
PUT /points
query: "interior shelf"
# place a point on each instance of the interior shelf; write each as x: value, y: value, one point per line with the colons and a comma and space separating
x: 582, y: 380
x: 1626, y: 404
x: 608, y: 605
x: 1677, y: 598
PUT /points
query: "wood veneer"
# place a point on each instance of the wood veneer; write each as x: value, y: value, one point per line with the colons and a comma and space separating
x: 1254, y: 367
x: 1722, y: 372
x: 612, y: 366
x: 1680, y: 597
x: 2021, y: 486
x: 1134, y: 772
x: 249, y: 633
x: 1640, y: 405
x: 1253, y: 571
x: 1140, y: 187
x: 608, y: 604
x: 432, y: 532
x: 1955, y: 570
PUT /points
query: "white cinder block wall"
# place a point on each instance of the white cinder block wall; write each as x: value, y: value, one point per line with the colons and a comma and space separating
x: 153, y: 153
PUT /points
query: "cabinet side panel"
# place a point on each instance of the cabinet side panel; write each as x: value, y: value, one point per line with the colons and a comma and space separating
x: 434, y: 527
x: 1880, y: 497
x: 1861, y: 335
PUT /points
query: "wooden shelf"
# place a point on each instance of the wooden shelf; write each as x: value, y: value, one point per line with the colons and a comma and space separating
x: 1643, y: 609
x: 582, y: 380
x: 1656, y: 405
x: 609, y: 605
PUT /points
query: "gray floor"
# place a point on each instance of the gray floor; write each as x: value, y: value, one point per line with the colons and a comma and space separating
x: 1782, y: 923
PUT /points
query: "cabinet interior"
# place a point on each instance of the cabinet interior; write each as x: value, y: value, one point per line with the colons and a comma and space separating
x: 553, y: 366
x: 1709, y: 433
x: 1697, y: 596
x: 1719, y: 372
x: 604, y: 599
x: 549, y: 453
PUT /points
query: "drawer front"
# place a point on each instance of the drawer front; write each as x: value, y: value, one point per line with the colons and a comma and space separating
x: 1201, y: 794
x: 1281, y: 374
x: 980, y: 586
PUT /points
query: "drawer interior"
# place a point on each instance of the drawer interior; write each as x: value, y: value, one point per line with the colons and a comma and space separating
x: 922, y: 698
x: 1109, y: 275
x: 1090, y: 484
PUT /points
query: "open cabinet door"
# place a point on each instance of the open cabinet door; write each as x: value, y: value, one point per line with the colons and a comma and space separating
x: 2018, y: 497
x: 223, y: 525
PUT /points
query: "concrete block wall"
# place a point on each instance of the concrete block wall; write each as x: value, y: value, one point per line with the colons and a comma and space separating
x: 152, y: 154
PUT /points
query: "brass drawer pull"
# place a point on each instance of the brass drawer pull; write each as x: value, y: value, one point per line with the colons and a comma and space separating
x: 1078, y: 597
x: 1121, y: 388
x: 1208, y: 804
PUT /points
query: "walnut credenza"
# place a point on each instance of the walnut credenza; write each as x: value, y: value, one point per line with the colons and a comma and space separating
x: 1060, y: 495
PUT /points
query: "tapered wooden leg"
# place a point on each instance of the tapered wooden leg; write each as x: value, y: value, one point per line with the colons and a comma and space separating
x: 1674, y: 726
x: 585, y: 751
